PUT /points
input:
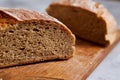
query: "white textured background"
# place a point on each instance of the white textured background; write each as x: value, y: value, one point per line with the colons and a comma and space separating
x: 109, y: 69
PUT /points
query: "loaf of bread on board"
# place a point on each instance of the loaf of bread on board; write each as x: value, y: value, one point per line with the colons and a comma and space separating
x: 87, y: 19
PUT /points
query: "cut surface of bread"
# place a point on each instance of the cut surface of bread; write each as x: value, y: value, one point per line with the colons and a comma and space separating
x: 87, y: 19
x: 28, y: 36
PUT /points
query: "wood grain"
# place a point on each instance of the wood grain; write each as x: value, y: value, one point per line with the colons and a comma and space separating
x: 79, y: 67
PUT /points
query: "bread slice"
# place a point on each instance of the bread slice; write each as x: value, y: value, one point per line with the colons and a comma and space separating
x: 87, y: 19
x: 29, y: 36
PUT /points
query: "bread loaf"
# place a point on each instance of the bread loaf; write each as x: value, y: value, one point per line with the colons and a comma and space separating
x: 87, y: 19
x: 28, y: 37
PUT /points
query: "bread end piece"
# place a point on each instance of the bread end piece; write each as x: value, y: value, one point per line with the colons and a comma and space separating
x: 87, y: 19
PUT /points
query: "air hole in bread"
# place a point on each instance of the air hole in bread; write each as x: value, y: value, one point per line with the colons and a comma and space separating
x: 14, y: 45
x: 55, y: 28
x: 47, y: 28
x: 36, y: 30
x: 22, y: 48
x: 3, y: 35
x: 6, y: 51
x: 27, y: 29
x: 39, y: 42
x: 11, y: 31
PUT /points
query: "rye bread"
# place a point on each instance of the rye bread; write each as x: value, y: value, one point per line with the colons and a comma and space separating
x: 28, y: 37
x: 87, y: 19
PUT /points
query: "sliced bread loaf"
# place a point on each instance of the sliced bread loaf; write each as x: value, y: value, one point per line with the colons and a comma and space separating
x: 89, y: 20
x: 28, y: 36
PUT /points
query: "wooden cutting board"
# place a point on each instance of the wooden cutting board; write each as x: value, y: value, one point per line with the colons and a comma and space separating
x: 79, y: 67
